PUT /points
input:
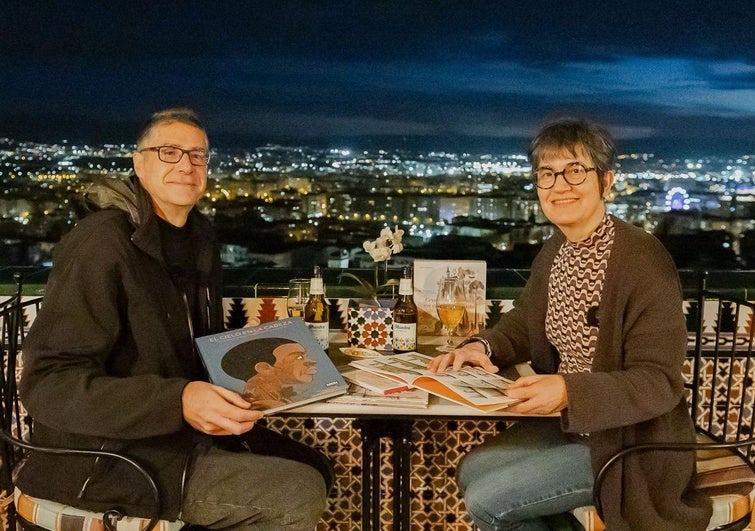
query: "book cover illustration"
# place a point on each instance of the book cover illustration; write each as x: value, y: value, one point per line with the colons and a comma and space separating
x: 470, y: 386
x: 275, y: 366
x: 472, y: 274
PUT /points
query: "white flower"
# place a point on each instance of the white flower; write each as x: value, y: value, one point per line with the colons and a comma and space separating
x: 388, y: 243
x: 380, y: 249
x: 397, y: 246
x: 386, y: 234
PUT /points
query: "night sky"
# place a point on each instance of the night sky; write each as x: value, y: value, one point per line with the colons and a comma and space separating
x: 465, y: 74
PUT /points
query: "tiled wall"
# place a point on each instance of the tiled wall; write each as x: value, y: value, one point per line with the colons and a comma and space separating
x: 436, y: 448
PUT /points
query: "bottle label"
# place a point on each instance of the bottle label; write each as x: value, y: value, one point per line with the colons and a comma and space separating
x: 316, y: 286
x: 321, y: 330
x: 404, y: 336
x: 405, y: 286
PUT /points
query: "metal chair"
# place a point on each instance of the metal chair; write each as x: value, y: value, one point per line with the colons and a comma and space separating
x: 17, y: 427
x: 722, y: 403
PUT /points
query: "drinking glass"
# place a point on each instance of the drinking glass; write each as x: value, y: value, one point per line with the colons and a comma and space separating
x: 450, y: 305
x: 298, y: 293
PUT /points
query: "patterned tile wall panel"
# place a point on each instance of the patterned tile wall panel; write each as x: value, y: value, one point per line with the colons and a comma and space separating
x: 436, y: 504
x: 242, y: 311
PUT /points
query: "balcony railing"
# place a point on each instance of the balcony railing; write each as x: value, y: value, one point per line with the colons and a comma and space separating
x: 273, y: 282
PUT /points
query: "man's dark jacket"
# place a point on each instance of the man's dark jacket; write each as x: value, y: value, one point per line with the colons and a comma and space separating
x: 109, y: 354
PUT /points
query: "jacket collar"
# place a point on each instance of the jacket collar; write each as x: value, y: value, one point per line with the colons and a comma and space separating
x: 129, y: 196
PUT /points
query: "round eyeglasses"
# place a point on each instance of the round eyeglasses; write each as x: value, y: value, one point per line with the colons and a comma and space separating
x: 173, y: 154
x: 574, y: 174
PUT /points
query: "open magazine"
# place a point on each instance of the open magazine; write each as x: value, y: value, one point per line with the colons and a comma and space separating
x: 470, y: 386
x: 275, y: 366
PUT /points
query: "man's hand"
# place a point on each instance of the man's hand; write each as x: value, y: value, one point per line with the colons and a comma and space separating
x: 471, y: 354
x: 216, y: 410
x: 540, y: 394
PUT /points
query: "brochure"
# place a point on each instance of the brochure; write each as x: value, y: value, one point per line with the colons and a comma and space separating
x: 471, y: 386
x: 275, y: 366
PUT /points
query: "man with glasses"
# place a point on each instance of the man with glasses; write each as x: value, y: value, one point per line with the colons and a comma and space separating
x: 109, y: 362
x: 601, y: 321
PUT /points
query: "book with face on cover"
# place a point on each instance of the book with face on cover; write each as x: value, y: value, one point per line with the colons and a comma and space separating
x: 470, y: 386
x: 274, y: 366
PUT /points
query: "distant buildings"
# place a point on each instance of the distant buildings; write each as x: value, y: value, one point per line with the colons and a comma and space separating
x: 295, y: 206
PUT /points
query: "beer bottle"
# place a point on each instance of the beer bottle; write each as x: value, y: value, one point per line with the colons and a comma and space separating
x: 317, y: 309
x: 405, y: 316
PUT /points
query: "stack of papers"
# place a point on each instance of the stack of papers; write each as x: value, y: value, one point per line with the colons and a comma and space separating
x: 358, y: 395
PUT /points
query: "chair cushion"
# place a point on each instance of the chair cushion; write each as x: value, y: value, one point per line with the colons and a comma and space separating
x: 58, y: 517
x: 720, y: 467
x: 721, y: 474
x: 588, y: 517
x: 727, y: 508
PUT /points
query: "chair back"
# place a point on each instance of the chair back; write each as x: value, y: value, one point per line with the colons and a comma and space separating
x: 722, y: 401
x: 16, y: 425
x: 720, y: 387
x: 14, y: 422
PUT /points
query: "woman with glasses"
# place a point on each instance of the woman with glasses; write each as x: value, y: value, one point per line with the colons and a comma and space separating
x: 601, y: 321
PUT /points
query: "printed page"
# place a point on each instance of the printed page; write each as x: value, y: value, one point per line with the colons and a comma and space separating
x: 471, y: 386
x: 374, y: 382
x: 474, y: 385
x: 400, y: 367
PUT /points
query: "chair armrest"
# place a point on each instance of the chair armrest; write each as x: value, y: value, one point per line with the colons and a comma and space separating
x: 95, y: 453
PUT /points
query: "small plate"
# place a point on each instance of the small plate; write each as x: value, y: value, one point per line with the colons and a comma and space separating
x: 357, y: 352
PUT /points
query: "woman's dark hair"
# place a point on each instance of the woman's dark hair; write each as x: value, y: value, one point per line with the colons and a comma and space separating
x: 570, y: 134
x: 168, y: 116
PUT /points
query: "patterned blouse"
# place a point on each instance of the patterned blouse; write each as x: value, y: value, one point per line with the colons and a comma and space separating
x: 574, y: 290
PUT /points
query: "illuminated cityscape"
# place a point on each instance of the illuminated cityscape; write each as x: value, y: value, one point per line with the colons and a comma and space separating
x: 295, y: 206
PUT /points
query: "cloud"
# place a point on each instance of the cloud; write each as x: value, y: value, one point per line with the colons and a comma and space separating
x: 309, y: 97
x: 312, y: 125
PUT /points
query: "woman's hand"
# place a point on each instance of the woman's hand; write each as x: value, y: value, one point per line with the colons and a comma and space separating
x: 470, y: 354
x: 215, y: 410
x: 540, y: 394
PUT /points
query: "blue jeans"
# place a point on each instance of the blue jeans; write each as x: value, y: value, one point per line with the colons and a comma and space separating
x: 523, y: 474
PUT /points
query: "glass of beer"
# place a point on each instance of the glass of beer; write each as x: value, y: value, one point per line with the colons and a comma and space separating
x: 298, y: 293
x: 450, y: 305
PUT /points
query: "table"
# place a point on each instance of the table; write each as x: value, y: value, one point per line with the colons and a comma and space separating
x: 379, y: 422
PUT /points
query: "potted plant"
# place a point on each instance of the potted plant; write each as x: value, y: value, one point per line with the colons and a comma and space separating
x: 381, y: 249
x: 370, y: 317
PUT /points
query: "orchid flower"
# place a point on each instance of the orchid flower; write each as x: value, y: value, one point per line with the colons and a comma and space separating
x: 388, y: 243
x: 380, y: 249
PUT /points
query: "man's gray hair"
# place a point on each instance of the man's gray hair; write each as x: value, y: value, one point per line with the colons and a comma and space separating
x: 168, y: 116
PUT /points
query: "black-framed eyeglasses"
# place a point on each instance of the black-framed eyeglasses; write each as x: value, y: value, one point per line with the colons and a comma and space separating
x: 173, y: 154
x: 574, y: 174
